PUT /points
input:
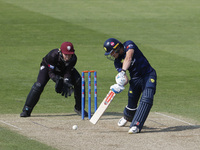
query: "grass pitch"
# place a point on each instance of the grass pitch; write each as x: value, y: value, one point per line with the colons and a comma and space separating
x: 167, y: 32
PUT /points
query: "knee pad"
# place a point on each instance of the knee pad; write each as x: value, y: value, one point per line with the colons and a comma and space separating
x: 147, y: 96
x: 33, y: 96
x: 37, y: 87
x: 129, y: 113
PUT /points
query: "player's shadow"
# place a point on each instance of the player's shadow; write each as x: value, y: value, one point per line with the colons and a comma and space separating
x: 54, y: 115
x: 110, y: 115
x: 113, y: 114
x: 171, y: 129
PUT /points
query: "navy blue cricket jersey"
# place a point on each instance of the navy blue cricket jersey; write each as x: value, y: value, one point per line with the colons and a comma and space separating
x: 139, y: 65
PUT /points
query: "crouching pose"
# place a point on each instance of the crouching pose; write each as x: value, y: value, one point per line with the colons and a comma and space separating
x: 57, y: 65
x: 127, y: 56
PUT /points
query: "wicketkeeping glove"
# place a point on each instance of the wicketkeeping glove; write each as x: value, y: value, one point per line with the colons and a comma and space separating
x: 117, y: 88
x: 67, y: 89
x: 59, y: 84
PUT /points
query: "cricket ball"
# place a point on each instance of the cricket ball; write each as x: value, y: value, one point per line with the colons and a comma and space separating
x: 74, y: 127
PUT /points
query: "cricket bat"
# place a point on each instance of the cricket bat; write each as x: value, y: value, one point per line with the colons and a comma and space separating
x: 102, y: 107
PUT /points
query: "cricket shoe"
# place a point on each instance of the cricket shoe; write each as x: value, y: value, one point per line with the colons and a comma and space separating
x: 25, y: 114
x: 133, y: 130
x: 79, y: 112
x: 122, y: 122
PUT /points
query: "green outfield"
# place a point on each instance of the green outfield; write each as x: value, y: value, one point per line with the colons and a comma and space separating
x: 167, y: 32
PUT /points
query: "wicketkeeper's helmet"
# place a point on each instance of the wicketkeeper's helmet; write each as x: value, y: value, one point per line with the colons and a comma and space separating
x: 110, y: 45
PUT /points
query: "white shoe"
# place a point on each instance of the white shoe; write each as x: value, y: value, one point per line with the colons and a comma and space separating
x: 122, y: 122
x: 133, y: 130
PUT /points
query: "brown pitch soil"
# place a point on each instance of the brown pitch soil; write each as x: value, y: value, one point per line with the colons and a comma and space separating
x: 161, y: 131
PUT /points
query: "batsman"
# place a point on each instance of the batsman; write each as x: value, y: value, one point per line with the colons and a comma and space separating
x: 58, y: 65
x: 128, y: 57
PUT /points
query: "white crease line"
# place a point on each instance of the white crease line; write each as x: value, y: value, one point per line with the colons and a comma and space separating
x: 10, y: 125
x: 175, y: 119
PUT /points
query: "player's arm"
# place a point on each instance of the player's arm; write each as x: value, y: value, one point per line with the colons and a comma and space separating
x: 50, y: 60
x: 128, y: 59
x: 121, y: 77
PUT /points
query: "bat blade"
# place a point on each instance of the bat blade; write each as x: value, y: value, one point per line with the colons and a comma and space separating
x: 102, y: 107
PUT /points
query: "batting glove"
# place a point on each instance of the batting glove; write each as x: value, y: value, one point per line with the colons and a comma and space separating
x: 117, y: 88
x: 122, y: 73
x: 121, y: 79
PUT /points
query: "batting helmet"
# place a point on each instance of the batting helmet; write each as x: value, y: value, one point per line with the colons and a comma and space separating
x: 110, y: 45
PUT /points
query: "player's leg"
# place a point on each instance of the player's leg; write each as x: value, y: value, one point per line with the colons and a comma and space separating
x: 130, y: 109
x: 76, y: 81
x: 145, y: 104
x: 35, y: 92
x: 32, y: 99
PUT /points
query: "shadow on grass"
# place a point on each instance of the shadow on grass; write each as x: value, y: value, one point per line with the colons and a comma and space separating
x: 171, y: 129
x: 111, y: 114
x: 53, y: 115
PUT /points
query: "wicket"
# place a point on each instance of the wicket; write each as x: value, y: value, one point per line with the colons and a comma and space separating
x: 89, y: 93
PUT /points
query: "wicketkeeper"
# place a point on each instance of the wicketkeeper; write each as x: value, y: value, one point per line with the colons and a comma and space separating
x: 127, y: 56
x: 57, y: 65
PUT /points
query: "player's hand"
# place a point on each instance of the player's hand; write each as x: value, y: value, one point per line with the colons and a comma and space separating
x: 121, y: 78
x: 117, y: 88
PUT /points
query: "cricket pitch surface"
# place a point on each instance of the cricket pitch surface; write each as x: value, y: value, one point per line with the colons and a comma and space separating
x: 161, y: 131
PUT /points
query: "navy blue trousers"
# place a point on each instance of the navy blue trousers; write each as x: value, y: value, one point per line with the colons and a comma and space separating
x: 143, y: 89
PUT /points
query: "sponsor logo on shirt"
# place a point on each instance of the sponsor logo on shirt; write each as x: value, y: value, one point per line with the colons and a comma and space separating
x: 50, y: 66
x: 129, y: 46
x: 152, y: 80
